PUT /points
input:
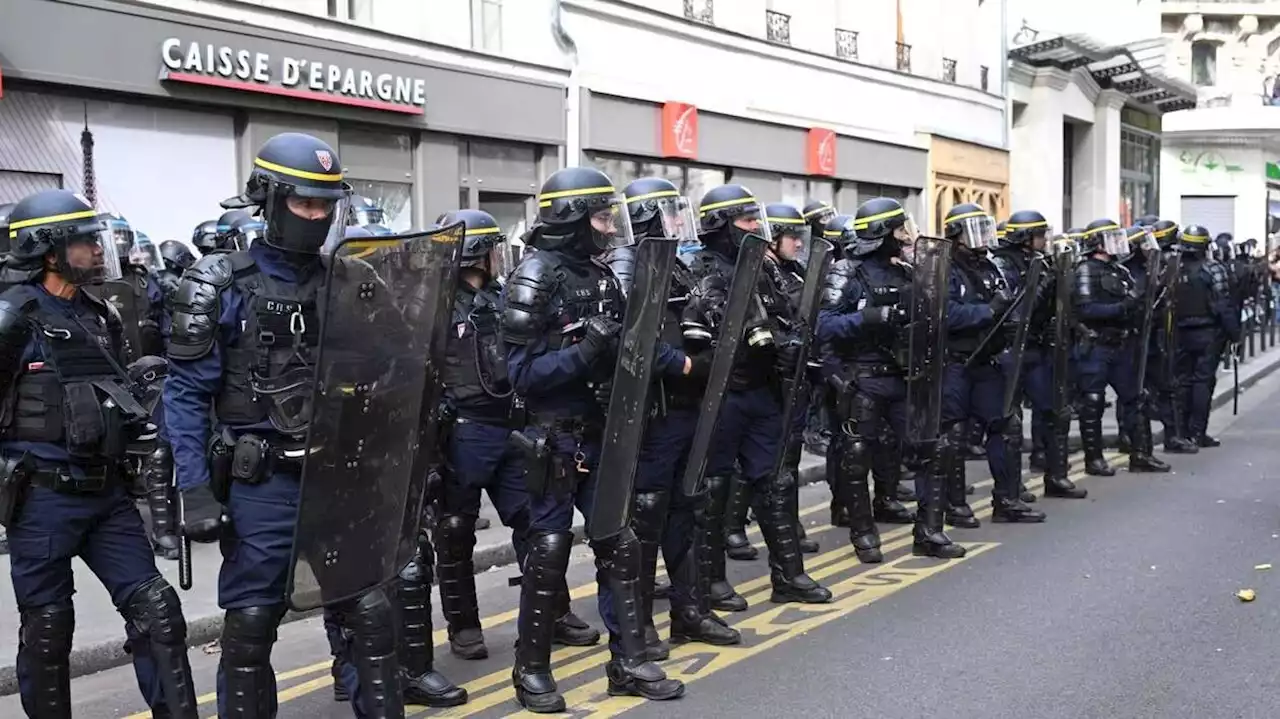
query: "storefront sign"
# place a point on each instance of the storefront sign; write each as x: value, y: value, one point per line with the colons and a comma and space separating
x: 821, y: 156
x: 239, y: 69
x: 679, y: 130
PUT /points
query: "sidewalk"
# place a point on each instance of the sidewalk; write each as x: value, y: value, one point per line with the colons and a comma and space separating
x: 99, y: 636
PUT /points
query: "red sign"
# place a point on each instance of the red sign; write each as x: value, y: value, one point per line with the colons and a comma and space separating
x: 1, y: 83
x: 679, y: 130
x: 821, y: 157
x: 188, y: 78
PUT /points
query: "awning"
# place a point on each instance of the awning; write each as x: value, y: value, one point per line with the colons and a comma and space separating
x: 1111, y: 67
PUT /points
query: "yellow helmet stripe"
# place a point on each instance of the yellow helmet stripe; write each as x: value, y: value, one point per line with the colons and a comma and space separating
x: 484, y: 231
x: 652, y: 195
x: 544, y: 200
x: 967, y: 215
x: 1195, y: 239
x: 1165, y: 232
x: 1027, y: 225
x: 785, y: 220
x: 1104, y: 228
x: 727, y: 203
x: 81, y: 215
x: 303, y: 174
x: 861, y: 223
x: 820, y: 208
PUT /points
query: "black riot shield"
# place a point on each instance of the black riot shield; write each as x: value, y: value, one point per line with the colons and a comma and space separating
x: 1064, y: 270
x: 1167, y: 336
x: 374, y: 375
x: 1018, y: 347
x: 1155, y: 272
x: 122, y: 295
x: 649, y: 285
x: 793, y: 386
x: 732, y: 326
x: 927, y: 338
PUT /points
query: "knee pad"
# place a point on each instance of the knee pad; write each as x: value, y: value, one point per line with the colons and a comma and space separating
x: 47, y: 632
x: 1012, y: 430
x: 950, y: 439
x: 620, y: 555
x: 456, y: 535
x: 548, y: 559
x: 1093, y: 401
x: 249, y: 633
x: 372, y: 621
x: 155, y: 611
x: 421, y: 568
x: 650, y: 514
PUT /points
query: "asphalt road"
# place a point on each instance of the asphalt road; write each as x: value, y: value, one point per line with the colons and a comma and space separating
x: 1122, y: 605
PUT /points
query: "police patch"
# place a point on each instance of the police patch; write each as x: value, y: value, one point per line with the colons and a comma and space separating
x: 325, y: 158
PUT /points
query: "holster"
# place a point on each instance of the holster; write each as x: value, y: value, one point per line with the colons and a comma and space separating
x: 15, y: 477
x: 537, y: 464
x: 220, y: 467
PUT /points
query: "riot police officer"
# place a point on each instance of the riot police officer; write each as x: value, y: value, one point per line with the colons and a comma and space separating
x: 560, y: 323
x: 64, y: 483
x: 974, y: 381
x: 748, y: 430
x: 205, y: 237
x: 1207, y: 321
x: 246, y: 331
x: 865, y: 307
x: 663, y: 516
x: 818, y: 430
x: 1026, y: 238
x: 177, y: 258
x: 1108, y: 306
x: 1142, y: 248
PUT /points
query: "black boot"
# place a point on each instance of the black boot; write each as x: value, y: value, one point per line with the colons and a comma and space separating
x: 736, y: 545
x: 1011, y: 435
x: 155, y: 613
x: 649, y: 518
x: 1142, y: 459
x: 570, y: 629
x: 691, y: 617
x: 1014, y: 511
x: 839, y: 514
x: 887, y: 508
x: 340, y: 693
x: 414, y: 652
x: 1026, y: 495
x: 863, y: 533
x: 1091, y: 408
x: 786, y: 565
x: 619, y: 562
x: 1124, y: 444
x: 540, y: 601
x: 1176, y: 441
x: 456, y: 540
x: 158, y: 475
x: 928, y: 538
x: 1179, y: 445
x: 1037, y: 460
x: 958, y: 513
x: 887, y: 476
x: 1056, y: 481
x: 1204, y: 441
x: 904, y: 492
x: 723, y: 596
x: 791, y: 465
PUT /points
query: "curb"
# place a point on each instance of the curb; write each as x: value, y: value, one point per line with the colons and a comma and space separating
x: 202, y: 630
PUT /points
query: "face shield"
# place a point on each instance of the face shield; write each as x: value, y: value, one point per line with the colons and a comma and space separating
x: 1145, y: 242
x: 977, y: 232
x: 146, y: 254
x: 1114, y: 242
x: 82, y: 259
x: 122, y: 236
x: 369, y: 215
x: 1065, y: 249
x: 501, y: 259
x: 610, y: 223
x: 304, y: 219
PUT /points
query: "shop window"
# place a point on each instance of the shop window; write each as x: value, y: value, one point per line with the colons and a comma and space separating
x: 510, y: 210
x: 693, y: 181
x: 395, y: 199
x: 1204, y: 63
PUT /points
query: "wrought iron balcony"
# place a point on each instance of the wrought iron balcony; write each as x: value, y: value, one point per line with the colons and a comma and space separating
x: 948, y: 70
x: 846, y: 44
x: 984, y: 73
x: 777, y: 27
x: 904, y: 57
x: 700, y: 11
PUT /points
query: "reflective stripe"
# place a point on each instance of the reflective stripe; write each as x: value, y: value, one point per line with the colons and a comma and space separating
x: 861, y: 223
x: 81, y: 215
x: 318, y: 177
x: 1027, y: 225
x: 484, y: 231
x: 1104, y: 228
x: 574, y: 193
x: 785, y: 220
x: 821, y: 208
x: 727, y: 203
x: 967, y: 215
x: 651, y: 195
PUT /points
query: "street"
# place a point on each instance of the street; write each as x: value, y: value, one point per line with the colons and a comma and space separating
x: 1121, y: 605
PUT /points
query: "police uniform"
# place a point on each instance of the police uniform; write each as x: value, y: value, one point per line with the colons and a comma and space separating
x: 974, y: 380
x: 560, y: 326
x: 62, y: 462
x: 1207, y: 321
x: 1142, y: 245
x: 819, y: 429
x: 246, y: 329
x: 748, y: 430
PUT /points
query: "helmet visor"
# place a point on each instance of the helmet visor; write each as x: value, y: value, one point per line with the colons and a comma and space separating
x: 1114, y: 242
x: 244, y: 236
x: 908, y: 233
x: 977, y: 232
x: 792, y: 238
x: 677, y: 218
x: 103, y: 237
x: 610, y: 223
x: 501, y: 259
x: 146, y: 254
x: 1145, y: 242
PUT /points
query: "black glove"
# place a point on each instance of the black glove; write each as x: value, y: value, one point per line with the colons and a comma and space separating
x: 891, y: 315
x: 1131, y: 305
x: 999, y: 305
x: 202, y: 518
x: 787, y: 357
x: 700, y: 366
x: 603, y: 391
x: 600, y: 338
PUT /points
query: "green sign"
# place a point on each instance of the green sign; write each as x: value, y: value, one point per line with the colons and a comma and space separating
x: 1273, y: 171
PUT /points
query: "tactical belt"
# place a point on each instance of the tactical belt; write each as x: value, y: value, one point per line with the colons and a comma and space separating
x: 555, y: 424
x: 865, y: 370
x: 1107, y: 336
x: 96, y: 480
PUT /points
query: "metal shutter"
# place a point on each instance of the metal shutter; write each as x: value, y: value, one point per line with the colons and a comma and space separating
x: 1215, y: 214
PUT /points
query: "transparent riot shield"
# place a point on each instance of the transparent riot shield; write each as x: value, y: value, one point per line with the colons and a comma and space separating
x: 122, y: 295
x: 927, y: 338
x: 1155, y: 272
x: 1064, y: 270
x: 374, y: 375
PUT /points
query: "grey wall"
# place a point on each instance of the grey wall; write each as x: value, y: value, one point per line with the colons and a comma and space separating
x: 116, y: 46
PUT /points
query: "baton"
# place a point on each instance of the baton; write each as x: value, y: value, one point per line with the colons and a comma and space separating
x: 997, y: 329
x: 184, y: 543
x: 1235, y: 375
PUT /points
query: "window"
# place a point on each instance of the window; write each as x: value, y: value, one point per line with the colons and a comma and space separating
x: 1068, y: 171
x: 948, y: 70
x: 486, y: 25
x: 904, y: 57
x: 777, y: 27
x: 1139, y: 167
x: 846, y: 44
x: 700, y: 11
x: 1204, y: 63
x: 360, y: 11
x: 395, y: 199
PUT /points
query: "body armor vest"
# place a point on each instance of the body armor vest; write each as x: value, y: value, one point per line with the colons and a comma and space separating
x: 1193, y: 302
x: 66, y: 398
x: 751, y: 369
x: 980, y: 282
x: 1108, y: 283
x: 883, y: 345
x: 475, y: 368
x: 268, y: 373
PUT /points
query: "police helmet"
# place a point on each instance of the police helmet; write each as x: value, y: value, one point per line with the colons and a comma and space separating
x: 1104, y: 235
x: 244, y: 232
x: 880, y: 219
x: 297, y: 184
x: 1194, y: 238
x: 970, y: 225
x: 122, y: 234
x: 723, y: 206
x: 1141, y: 240
x: 481, y: 234
x: 53, y: 221
x: 580, y: 204
x: 1002, y: 227
x: 1147, y: 221
x: 1247, y: 248
x: 1166, y: 233
x: 1024, y: 227
x: 786, y: 221
x: 226, y: 226
x: 365, y: 212
x: 5, y: 209
x: 205, y: 236
x: 176, y: 256
x: 818, y: 213
x: 839, y: 232
x: 657, y: 209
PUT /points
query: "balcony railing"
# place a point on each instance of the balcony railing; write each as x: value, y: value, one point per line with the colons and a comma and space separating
x: 904, y: 57
x: 948, y: 70
x: 984, y: 74
x: 846, y: 44
x: 777, y: 27
x: 700, y: 11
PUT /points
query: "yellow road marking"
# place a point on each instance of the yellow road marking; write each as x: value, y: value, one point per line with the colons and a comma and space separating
x: 690, y: 662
